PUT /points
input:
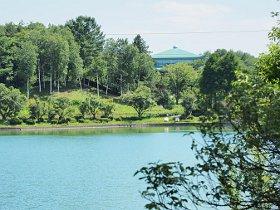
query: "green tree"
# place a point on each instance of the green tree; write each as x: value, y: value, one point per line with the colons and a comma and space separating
x: 180, y: 77
x: 11, y: 101
x: 144, y: 68
x: 89, y: 36
x: 37, y: 109
x: 269, y: 63
x: 75, y: 70
x: 98, y: 70
x: 61, y: 109
x: 140, y: 100
x: 90, y: 106
x: 236, y: 170
x: 140, y: 43
x: 189, y: 102
x: 6, y: 58
x: 218, y: 74
x: 107, y: 108
x: 26, y: 63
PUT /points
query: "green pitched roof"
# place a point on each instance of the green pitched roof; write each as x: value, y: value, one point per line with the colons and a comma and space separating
x: 175, y: 53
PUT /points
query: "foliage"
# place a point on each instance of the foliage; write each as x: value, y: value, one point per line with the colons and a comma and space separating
x: 90, y: 106
x: 180, y: 76
x: 140, y: 43
x: 107, y: 109
x: 189, y: 102
x: 218, y: 75
x: 140, y: 99
x: 25, y: 63
x: 60, y: 110
x: 11, y: 101
x: 89, y: 36
x: 238, y: 169
x: 37, y: 109
x: 270, y: 64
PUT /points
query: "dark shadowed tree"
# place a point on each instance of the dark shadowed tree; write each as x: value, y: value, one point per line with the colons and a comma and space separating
x: 218, y: 75
x: 140, y: 43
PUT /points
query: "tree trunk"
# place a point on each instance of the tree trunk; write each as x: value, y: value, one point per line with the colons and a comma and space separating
x: 27, y: 88
x: 50, y: 83
x: 39, y: 78
x: 97, y: 85
x: 81, y: 85
x: 58, y: 86
x: 121, y: 85
x: 107, y: 86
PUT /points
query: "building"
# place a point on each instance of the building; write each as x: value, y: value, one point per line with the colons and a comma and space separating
x: 173, y: 56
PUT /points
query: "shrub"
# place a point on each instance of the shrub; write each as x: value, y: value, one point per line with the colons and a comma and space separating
x: 14, y: 121
x: 107, y: 109
x: 90, y: 106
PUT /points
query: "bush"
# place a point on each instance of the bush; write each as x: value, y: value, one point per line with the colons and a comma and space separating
x: 80, y: 118
x: 37, y: 109
x: 61, y: 110
x: 14, y: 121
x: 29, y: 121
x: 90, y: 106
x: 107, y: 109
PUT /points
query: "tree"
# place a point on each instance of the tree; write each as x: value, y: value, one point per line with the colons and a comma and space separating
x: 55, y: 58
x: 11, y: 101
x: 180, y: 76
x: 98, y: 69
x: 140, y: 99
x: 189, y: 102
x: 26, y: 63
x: 218, y: 74
x: 37, y: 109
x: 144, y: 68
x: 6, y: 58
x: 238, y: 169
x: 91, y: 105
x: 107, y: 109
x: 89, y: 36
x: 75, y: 70
x: 60, y: 109
x: 140, y: 43
x: 269, y: 63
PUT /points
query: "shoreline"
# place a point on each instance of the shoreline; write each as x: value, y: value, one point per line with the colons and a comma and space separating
x: 97, y: 126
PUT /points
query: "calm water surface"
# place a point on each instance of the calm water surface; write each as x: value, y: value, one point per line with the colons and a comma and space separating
x: 84, y: 169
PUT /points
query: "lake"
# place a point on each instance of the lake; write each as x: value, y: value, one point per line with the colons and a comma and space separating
x: 86, y: 169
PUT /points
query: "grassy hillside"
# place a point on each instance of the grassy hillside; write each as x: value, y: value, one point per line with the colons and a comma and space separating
x: 122, y: 114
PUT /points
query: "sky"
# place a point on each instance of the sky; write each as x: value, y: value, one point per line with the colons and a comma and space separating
x: 149, y: 17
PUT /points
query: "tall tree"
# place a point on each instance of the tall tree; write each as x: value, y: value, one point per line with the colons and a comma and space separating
x: 6, y: 57
x: 144, y: 68
x: 26, y: 63
x: 75, y: 70
x: 140, y: 43
x: 218, y: 75
x: 98, y: 70
x: 89, y: 36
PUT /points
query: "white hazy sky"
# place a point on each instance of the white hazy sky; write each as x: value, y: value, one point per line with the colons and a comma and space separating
x: 149, y: 16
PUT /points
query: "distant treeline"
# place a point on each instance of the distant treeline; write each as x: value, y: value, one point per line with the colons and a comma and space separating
x: 54, y: 57
x: 45, y: 59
